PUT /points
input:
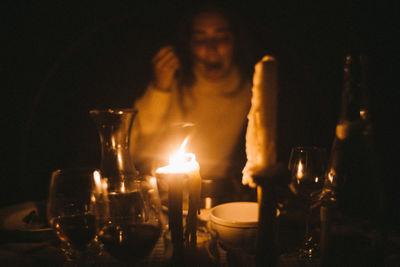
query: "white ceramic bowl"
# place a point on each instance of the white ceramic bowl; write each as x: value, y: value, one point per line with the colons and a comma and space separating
x: 235, y: 224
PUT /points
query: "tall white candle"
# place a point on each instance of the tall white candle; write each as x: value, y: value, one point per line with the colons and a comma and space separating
x: 261, y: 134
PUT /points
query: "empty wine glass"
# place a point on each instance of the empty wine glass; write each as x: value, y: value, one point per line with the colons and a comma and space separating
x: 307, y: 165
x: 73, y: 210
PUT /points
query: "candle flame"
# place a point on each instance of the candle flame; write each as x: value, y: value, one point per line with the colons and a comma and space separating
x: 180, y: 161
x: 178, y: 156
x: 97, y: 178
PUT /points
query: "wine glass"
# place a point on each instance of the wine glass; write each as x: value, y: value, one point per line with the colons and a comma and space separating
x: 73, y: 210
x: 133, y: 224
x: 307, y: 165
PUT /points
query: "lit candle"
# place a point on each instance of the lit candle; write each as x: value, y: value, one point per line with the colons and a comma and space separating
x: 182, y: 168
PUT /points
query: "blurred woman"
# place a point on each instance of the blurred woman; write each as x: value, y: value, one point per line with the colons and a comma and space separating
x: 201, y: 89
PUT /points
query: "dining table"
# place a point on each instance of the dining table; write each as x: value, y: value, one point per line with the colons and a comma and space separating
x: 27, y: 240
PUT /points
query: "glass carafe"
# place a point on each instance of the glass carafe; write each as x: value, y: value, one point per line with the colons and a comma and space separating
x: 132, y: 224
x: 114, y: 127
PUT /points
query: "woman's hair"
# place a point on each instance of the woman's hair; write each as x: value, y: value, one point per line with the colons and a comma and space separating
x: 243, y: 56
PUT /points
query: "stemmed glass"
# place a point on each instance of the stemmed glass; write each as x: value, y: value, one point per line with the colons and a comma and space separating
x: 74, y: 211
x: 307, y: 165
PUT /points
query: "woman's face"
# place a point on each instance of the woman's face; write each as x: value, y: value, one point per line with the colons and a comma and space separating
x: 212, y: 45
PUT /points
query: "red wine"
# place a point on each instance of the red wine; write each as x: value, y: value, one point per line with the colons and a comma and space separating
x: 79, y: 230
x: 123, y: 205
x: 306, y: 190
x: 130, y: 242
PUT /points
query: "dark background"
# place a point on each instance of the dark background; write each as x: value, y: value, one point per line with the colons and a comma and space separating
x: 59, y: 59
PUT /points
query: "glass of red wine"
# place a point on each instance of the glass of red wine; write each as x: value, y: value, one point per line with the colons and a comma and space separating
x: 307, y: 165
x: 74, y: 210
x: 133, y: 223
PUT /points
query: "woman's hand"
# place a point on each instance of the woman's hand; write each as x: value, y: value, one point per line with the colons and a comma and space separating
x: 165, y: 64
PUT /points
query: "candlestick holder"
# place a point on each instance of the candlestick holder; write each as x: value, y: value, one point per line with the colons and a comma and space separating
x: 267, y: 184
x: 175, y: 182
x: 181, y: 237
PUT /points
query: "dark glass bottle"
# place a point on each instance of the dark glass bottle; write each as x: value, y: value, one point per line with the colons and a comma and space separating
x: 352, y: 192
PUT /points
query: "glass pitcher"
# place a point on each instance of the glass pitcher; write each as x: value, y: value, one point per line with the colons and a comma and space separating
x: 114, y: 127
x: 133, y: 224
